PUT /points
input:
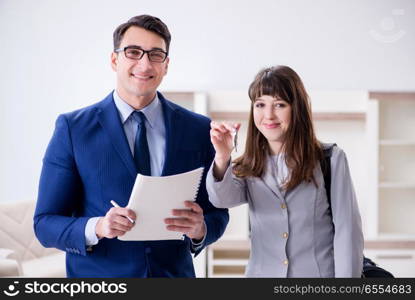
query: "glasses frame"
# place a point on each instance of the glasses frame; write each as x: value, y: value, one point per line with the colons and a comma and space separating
x: 124, y: 49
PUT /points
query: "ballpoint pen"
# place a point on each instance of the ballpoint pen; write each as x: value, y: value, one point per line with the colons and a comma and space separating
x: 116, y: 205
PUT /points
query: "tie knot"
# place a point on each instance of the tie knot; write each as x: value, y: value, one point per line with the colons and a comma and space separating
x: 139, y: 117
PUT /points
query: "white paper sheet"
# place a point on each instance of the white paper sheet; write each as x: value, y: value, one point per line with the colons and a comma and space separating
x: 153, y: 199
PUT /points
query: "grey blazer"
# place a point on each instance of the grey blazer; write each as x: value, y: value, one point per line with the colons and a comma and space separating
x: 293, y: 234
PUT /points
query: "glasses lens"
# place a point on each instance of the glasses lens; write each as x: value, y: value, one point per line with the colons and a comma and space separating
x: 157, y: 56
x: 133, y: 53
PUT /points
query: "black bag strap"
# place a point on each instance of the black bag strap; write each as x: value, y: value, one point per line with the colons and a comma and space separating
x: 326, y: 169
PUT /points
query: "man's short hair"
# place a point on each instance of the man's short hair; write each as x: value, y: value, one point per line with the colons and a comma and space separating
x: 147, y: 22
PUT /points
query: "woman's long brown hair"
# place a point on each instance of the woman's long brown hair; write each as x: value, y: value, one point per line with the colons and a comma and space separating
x: 301, y: 147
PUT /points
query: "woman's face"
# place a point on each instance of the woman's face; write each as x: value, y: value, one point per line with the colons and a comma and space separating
x: 272, y: 117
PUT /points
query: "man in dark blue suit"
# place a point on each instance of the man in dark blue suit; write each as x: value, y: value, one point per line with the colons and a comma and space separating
x: 95, y: 154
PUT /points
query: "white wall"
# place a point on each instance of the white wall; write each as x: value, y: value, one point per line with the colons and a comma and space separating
x: 55, y: 57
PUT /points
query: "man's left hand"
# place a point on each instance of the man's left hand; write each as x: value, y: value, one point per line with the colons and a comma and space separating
x: 188, y: 221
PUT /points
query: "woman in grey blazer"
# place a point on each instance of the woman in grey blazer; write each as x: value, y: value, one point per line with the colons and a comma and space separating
x: 294, y: 233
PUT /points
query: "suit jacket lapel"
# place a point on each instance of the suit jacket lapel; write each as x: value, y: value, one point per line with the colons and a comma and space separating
x: 174, y: 126
x: 109, y: 119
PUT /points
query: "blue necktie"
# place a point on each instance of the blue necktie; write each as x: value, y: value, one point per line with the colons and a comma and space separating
x: 141, y: 151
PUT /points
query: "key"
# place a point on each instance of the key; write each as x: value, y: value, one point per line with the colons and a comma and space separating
x: 235, y: 140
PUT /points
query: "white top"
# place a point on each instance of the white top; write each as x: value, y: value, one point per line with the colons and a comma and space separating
x: 279, y: 169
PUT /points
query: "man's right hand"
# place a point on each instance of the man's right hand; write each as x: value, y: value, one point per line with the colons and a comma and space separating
x: 115, y: 223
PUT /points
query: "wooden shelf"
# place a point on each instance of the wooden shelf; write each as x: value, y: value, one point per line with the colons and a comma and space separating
x: 179, y: 96
x: 396, y: 185
x: 228, y: 258
x: 385, y: 250
x: 229, y: 275
x: 318, y: 116
x: 231, y: 245
x: 339, y: 116
x: 390, y: 241
x: 397, y: 142
x: 392, y: 123
x: 385, y: 241
x: 229, y: 115
x: 392, y: 96
x: 231, y: 262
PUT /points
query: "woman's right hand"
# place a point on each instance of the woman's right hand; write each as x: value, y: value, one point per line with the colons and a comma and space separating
x: 222, y: 138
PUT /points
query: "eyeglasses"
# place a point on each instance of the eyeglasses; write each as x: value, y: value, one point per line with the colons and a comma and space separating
x: 135, y: 52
